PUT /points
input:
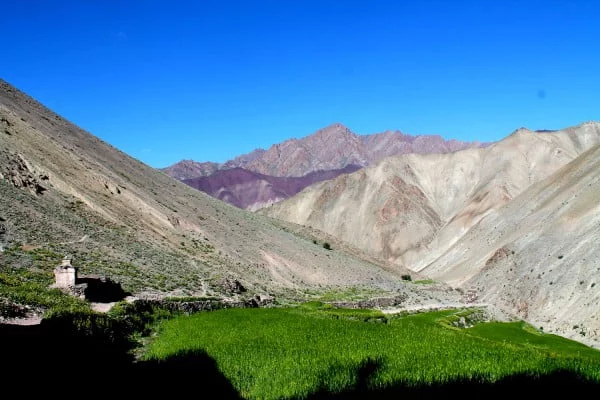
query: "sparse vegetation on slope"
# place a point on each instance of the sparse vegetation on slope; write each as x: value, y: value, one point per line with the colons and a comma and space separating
x: 67, y: 192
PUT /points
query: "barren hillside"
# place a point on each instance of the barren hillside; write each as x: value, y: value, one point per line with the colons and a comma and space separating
x: 538, y: 256
x: 252, y: 191
x: 438, y: 214
x: 65, y: 191
x: 409, y: 209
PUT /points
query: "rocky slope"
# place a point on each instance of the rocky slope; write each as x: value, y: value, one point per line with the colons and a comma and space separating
x: 189, y: 169
x: 538, y: 256
x: 66, y: 192
x: 438, y: 214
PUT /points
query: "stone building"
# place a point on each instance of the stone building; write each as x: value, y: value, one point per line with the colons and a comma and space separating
x: 94, y: 288
x: 65, y: 274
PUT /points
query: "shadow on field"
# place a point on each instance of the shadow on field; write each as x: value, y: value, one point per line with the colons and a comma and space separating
x: 557, y: 383
x: 46, y: 358
x: 102, y: 290
x: 51, y: 358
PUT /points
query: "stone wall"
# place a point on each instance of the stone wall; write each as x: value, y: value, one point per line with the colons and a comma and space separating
x: 190, y: 307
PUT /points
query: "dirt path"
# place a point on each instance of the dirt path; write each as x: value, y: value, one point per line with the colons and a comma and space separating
x: 81, y: 240
x: 432, y: 307
x: 27, y: 321
x: 102, y: 307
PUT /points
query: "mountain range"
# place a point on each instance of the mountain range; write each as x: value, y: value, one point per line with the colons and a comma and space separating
x: 250, y: 181
x: 513, y: 225
x: 250, y: 190
x: 516, y: 223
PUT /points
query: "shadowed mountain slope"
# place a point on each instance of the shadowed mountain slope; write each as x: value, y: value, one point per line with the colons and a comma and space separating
x: 251, y: 190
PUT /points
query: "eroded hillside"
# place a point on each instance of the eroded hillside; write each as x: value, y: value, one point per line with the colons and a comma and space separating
x: 438, y: 214
x: 538, y: 256
x: 69, y: 193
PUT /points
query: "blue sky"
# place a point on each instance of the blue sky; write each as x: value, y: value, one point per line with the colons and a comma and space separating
x: 209, y: 80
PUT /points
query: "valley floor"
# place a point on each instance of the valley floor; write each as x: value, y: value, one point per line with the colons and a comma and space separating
x: 315, y: 348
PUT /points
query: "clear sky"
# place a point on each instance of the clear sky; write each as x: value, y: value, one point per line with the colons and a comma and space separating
x: 209, y: 80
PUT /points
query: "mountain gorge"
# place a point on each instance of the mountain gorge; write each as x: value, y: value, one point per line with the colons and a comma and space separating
x: 491, y: 221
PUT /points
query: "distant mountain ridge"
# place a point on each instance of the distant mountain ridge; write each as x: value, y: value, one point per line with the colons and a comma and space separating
x: 252, y: 191
x: 331, y: 148
x: 264, y: 177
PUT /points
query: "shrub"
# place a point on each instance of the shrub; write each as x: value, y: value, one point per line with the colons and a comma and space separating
x: 406, y: 277
x: 326, y: 246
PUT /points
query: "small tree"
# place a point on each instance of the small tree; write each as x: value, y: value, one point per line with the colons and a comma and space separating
x: 326, y: 246
x: 406, y: 278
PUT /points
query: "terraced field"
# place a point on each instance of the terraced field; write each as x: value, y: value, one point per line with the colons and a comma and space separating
x: 296, y: 352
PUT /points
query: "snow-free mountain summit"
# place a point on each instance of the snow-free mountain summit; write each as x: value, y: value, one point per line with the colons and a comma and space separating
x: 254, y: 180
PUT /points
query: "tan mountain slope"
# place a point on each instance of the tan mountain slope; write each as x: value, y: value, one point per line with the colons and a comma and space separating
x: 516, y: 224
x: 409, y: 209
x: 539, y: 255
x: 65, y: 191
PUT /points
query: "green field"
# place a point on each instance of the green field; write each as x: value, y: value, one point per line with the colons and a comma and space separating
x: 293, y: 352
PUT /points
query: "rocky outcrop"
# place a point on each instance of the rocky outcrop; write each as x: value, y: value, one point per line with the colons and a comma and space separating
x: 378, y: 302
x: 15, y: 169
x: 193, y: 306
x: 4, y: 234
x: 231, y: 285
